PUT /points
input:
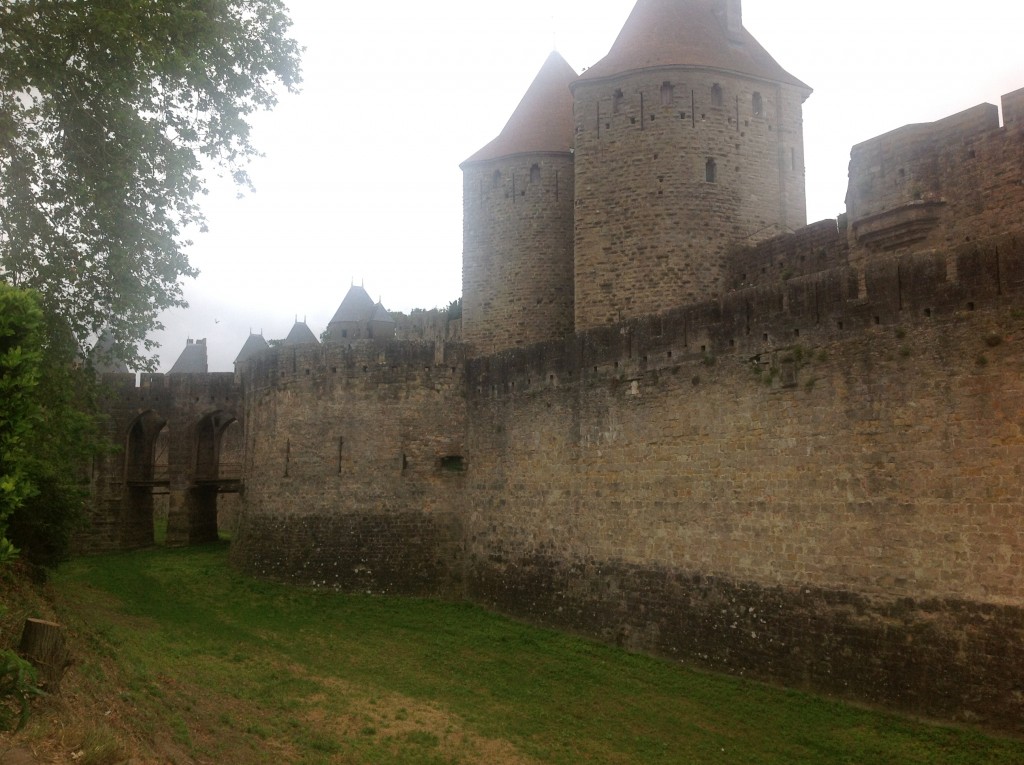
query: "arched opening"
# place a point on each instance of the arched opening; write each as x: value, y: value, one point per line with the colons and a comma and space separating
x: 218, y: 471
x: 496, y: 179
x: 716, y: 95
x: 758, y: 105
x: 147, y: 478
x: 229, y: 468
x: 535, y: 173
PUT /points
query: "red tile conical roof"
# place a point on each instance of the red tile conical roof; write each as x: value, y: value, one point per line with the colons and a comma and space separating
x: 671, y: 33
x: 543, y: 122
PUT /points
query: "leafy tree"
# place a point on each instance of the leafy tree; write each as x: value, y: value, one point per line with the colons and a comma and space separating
x: 46, y: 436
x: 110, y: 111
x: 21, y: 323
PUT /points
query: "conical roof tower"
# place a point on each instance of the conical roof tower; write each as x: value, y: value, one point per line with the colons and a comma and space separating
x: 192, y: 360
x: 254, y: 344
x: 542, y: 122
x: 104, y: 356
x: 689, y: 143
x: 707, y: 34
x: 301, y: 334
x: 517, y: 218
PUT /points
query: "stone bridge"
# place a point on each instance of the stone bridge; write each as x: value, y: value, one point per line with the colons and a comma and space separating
x: 177, y: 449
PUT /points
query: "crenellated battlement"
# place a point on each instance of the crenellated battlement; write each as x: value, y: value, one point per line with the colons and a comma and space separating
x: 793, y: 456
x: 418, y: 362
x: 937, y: 184
x: 819, y: 307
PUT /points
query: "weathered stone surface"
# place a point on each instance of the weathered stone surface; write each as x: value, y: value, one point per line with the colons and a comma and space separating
x: 796, y: 456
x: 172, y: 435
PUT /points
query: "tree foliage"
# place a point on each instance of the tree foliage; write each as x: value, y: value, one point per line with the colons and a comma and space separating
x: 110, y: 112
x: 47, y: 437
x: 21, y: 325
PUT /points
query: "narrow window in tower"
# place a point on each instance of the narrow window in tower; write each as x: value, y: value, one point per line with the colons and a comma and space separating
x: 496, y: 179
x: 716, y: 95
x: 617, y: 101
x: 535, y: 174
x: 711, y: 171
x: 758, y: 104
x: 666, y: 93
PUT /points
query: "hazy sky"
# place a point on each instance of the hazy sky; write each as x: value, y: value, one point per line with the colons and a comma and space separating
x: 361, y: 181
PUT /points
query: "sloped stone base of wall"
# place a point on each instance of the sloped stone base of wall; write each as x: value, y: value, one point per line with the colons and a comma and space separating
x: 405, y: 553
x: 943, y: 658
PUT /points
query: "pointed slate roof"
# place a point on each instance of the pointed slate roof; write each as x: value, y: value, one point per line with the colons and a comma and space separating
x: 103, y: 357
x: 543, y: 121
x: 253, y: 345
x: 301, y: 334
x: 192, y: 360
x: 357, y: 306
x: 671, y: 33
x: 381, y: 315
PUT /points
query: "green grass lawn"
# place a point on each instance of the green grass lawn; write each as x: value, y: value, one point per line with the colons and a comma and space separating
x: 233, y: 670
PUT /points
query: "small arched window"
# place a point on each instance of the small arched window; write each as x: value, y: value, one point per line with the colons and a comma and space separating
x: 758, y: 103
x: 711, y: 171
x: 496, y: 179
x: 666, y: 93
x: 617, y: 101
x: 716, y: 95
x: 535, y: 174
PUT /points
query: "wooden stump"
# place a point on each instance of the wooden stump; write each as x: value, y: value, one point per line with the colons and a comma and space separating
x: 42, y: 643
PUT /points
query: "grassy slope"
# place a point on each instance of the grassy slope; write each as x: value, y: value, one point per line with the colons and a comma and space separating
x: 200, y: 664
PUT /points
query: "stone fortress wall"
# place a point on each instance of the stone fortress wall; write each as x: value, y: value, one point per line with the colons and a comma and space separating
x: 177, y: 447
x: 698, y: 167
x: 354, y: 466
x: 815, y: 478
x: 675, y: 418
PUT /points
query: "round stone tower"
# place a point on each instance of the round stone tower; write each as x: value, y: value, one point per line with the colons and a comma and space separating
x: 689, y: 141
x: 517, y: 272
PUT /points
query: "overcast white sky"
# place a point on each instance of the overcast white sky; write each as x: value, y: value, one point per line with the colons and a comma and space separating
x: 361, y: 181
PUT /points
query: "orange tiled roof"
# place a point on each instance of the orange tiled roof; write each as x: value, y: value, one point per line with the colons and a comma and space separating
x: 663, y: 33
x: 543, y: 120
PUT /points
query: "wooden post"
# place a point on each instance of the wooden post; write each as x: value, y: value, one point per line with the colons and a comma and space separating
x: 42, y: 643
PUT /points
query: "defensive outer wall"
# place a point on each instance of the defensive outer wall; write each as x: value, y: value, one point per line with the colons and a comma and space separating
x: 176, y: 447
x: 815, y: 478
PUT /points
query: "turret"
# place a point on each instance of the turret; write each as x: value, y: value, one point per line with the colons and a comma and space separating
x: 517, y: 277
x: 359, y: 318
x: 688, y: 143
x: 301, y: 334
x: 254, y: 345
x: 193, y: 360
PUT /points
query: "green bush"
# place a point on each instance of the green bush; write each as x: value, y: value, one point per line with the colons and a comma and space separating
x: 47, y: 433
x: 17, y: 688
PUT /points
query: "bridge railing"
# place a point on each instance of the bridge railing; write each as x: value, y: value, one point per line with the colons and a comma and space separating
x: 157, y: 475
x: 148, y: 475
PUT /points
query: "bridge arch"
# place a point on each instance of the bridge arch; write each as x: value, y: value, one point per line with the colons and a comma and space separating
x: 214, y: 470
x: 146, y: 476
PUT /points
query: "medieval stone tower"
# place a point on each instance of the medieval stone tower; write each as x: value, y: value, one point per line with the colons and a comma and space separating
x: 517, y: 222
x: 685, y: 141
x: 688, y: 142
x: 677, y: 425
